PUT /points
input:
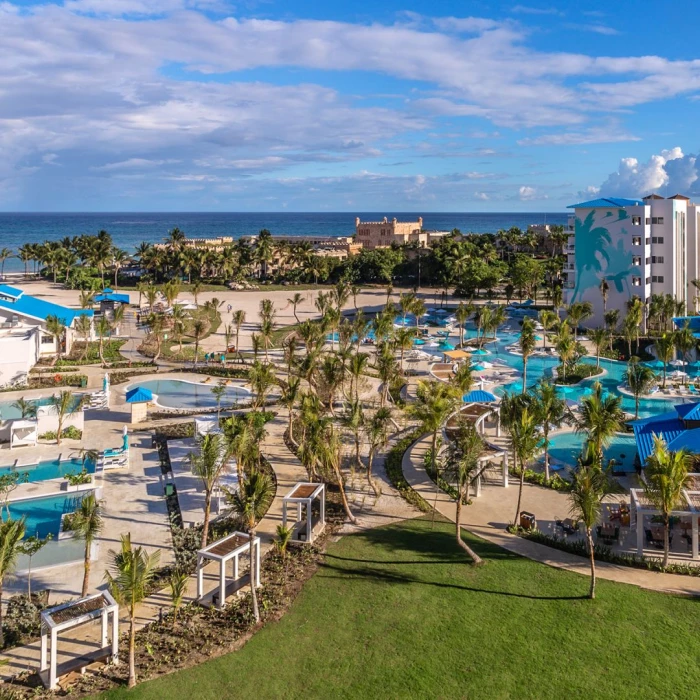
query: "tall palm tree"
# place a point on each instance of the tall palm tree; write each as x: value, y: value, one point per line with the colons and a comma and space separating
x: 666, y: 475
x: 463, y: 465
x: 56, y: 327
x: 27, y: 409
x: 103, y: 328
x: 599, y: 338
x: 87, y: 525
x: 640, y: 379
x: 251, y: 501
x: 525, y: 442
x: 550, y: 409
x: 65, y: 405
x: 565, y: 346
x: 238, y: 321
x: 208, y: 463
x: 588, y: 487
x: 119, y: 259
x: 604, y: 289
x: 5, y: 253
x: 289, y: 397
x: 601, y: 416
x: 462, y: 314
x: 199, y: 330
x: 548, y: 319
x: 665, y: 347
x: 295, y: 301
x: 527, y: 344
x: 86, y: 299
x: 131, y: 572
x: 11, y: 534
x: 685, y: 341
x: 377, y: 432
x: 611, y: 318
x: 579, y: 311
x: 403, y: 340
x: 331, y: 457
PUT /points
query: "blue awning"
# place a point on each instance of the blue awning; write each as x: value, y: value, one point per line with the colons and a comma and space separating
x: 139, y: 395
x: 112, y: 296
x: 479, y: 396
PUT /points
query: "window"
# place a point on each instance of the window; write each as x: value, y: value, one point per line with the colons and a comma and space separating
x: 657, y: 219
x: 46, y: 339
x: 636, y: 220
x: 648, y: 260
x: 648, y: 220
x: 648, y: 280
x: 658, y: 279
x: 657, y: 258
x: 636, y: 281
x: 647, y: 241
x: 636, y: 260
x: 657, y: 239
x: 636, y: 240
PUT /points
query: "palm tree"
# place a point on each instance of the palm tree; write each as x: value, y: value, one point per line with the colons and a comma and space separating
x: 218, y: 392
x: 5, y: 253
x: 604, y: 289
x: 177, y: 582
x: 527, y: 344
x: 331, y: 457
x: 611, y: 320
x: 11, y: 534
x: 640, y: 379
x: 665, y: 348
x: 685, y: 341
x: 238, y: 321
x: 56, y: 327
x: 550, y: 410
x: 525, y: 442
x: 132, y: 571
x: 199, y: 330
x: 251, y: 501
x: 601, y: 416
x: 103, y: 327
x: 294, y: 301
x: 579, y: 311
x: 30, y: 547
x: 599, y: 338
x: 588, y: 487
x: 26, y: 255
x: 27, y: 409
x: 666, y: 475
x: 548, y: 319
x: 86, y: 299
x: 565, y: 346
x: 377, y: 432
x: 262, y: 378
x: 358, y: 366
x: 463, y: 465
x: 65, y: 405
x: 83, y: 326
x: 207, y: 464
x: 290, y: 394
x: 403, y: 340
x: 119, y: 260
x: 87, y: 525
x: 462, y: 314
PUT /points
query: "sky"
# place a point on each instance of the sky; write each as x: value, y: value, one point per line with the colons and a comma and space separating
x: 266, y: 105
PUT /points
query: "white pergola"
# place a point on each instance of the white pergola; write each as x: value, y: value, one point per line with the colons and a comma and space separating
x: 24, y: 432
x: 304, y: 494
x: 641, y: 506
x: 228, y: 548
x: 73, y: 614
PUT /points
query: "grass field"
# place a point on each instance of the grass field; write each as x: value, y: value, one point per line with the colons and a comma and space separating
x: 396, y: 613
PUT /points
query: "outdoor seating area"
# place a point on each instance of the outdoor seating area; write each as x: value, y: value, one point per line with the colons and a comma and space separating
x: 309, y: 522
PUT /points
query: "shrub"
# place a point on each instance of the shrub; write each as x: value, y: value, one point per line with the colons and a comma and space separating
x: 576, y: 373
x: 48, y: 435
x: 79, y: 478
x: 72, y: 433
x: 555, y: 482
x: 21, y: 620
x: 394, y: 472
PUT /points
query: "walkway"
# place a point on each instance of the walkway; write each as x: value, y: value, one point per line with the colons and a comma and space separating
x: 489, y: 515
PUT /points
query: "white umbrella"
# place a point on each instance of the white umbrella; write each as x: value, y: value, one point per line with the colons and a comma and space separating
x: 677, y: 363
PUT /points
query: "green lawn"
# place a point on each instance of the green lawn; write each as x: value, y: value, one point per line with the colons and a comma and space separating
x: 397, y: 613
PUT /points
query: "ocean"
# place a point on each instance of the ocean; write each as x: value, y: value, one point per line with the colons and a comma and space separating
x: 128, y: 230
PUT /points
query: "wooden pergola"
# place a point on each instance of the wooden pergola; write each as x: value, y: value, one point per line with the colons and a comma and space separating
x: 303, y: 495
x: 74, y: 614
x: 227, y: 549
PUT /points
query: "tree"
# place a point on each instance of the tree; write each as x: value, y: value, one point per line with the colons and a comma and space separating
x: 640, y: 379
x: 601, y: 416
x: 665, y: 348
x: 262, y: 378
x: 525, y: 441
x: 377, y: 432
x: 294, y: 301
x: 599, y: 338
x: 238, y: 321
x: 103, y: 328
x: 611, y: 320
x: 5, y: 253
x: 251, y: 501
x: 83, y: 326
x: 27, y: 409
x: 666, y: 475
x: 65, y: 405
x: 527, y: 344
x: 56, y: 327
x: 550, y: 410
x: 290, y: 393
x: 30, y: 547
x: 208, y: 463
x: 588, y: 487
x: 579, y: 311
x: 11, y: 534
x: 565, y: 345
x: 331, y: 456
x: 177, y: 582
x: 403, y: 340
x: 604, y: 289
x: 87, y: 525
x: 219, y: 391
x: 463, y: 465
x: 548, y: 319
x: 132, y: 571
x: 199, y: 330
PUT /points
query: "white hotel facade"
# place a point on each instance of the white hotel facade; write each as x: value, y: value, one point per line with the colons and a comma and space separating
x: 640, y: 247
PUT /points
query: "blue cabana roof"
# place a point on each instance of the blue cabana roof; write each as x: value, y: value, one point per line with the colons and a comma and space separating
x: 109, y: 295
x: 17, y: 302
x: 603, y: 202
x: 479, y: 396
x: 139, y: 395
x: 692, y: 321
x: 671, y: 427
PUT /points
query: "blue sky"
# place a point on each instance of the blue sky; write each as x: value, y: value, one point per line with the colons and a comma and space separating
x: 209, y: 105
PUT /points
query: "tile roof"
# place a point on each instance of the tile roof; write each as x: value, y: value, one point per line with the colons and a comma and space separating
x: 32, y: 307
x: 603, y: 202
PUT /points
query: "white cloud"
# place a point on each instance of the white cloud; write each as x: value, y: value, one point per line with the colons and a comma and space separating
x: 527, y: 10
x: 526, y: 193
x: 609, y: 133
x: 468, y: 25
x: 666, y: 173
x: 603, y: 29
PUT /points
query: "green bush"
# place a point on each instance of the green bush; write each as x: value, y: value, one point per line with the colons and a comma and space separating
x: 72, y: 433
x: 78, y: 478
x: 394, y: 471
x: 555, y: 482
x: 48, y: 435
x: 576, y: 373
x: 21, y: 621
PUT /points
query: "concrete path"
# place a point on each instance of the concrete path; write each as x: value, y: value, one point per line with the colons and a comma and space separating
x: 489, y: 515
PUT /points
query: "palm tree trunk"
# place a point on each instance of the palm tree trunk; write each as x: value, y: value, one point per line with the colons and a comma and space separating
x: 132, y: 648
x: 458, y: 532
x: 524, y: 374
x: 666, y: 543
x: 520, y: 492
x: 2, y: 635
x: 341, y: 486
x: 290, y: 427
x: 591, y: 552
x: 205, y: 525
x: 546, y: 450
x: 370, y: 459
x: 86, y: 570
x: 253, y: 590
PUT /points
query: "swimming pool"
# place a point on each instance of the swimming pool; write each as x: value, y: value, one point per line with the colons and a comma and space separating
x: 50, y: 468
x: 566, y: 447
x: 10, y: 412
x: 178, y: 393
x: 42, y: 516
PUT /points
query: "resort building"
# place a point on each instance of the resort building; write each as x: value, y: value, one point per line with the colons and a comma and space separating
x: 640, y: 247
x: 382, y: 234
x: 23, y: 331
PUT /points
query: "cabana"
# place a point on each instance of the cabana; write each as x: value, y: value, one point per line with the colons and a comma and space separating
x: 456, y: 355
x: 109, y: 300
x: 227, y: 549
x: 24, y: 432
x: 304, y: 494
x: 68, y: 616
x: 139, y: 398
x: 204, y: 426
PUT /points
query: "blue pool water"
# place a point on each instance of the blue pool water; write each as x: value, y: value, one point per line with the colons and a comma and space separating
x: 175, y: 393
x: 566, y: 447
x: 51, y: 468
x: 43, y: 515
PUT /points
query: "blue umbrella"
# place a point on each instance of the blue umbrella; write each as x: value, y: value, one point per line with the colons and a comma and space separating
x: 655, y: 364
x: 478, y: 368
x: 565, y: 390
x: 444, y: 345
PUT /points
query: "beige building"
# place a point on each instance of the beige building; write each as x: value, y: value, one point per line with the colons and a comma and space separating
x: 382, y: 234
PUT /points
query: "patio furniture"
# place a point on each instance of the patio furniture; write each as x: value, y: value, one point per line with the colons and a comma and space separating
x: 569, y: 526
x: 608, y: 532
